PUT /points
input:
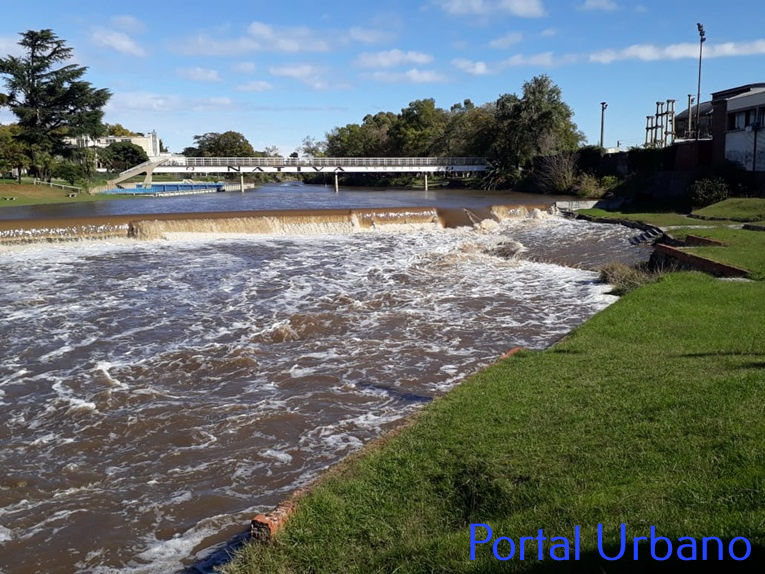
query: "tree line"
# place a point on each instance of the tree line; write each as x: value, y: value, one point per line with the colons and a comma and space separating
x: 52, y: 102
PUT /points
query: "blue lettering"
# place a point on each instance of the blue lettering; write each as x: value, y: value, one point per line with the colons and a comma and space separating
x: 541, y: 544
x: 691, y: 545
x: 623, y: 542
x: 704, y: 547
x: 654, y: 538
x: 521, y: 543
x: 473, y: 541
x: 576, y: 542
x: 563, y: 545
x: 748, y: 548
x: 635, y: 546
x: 512, y: 548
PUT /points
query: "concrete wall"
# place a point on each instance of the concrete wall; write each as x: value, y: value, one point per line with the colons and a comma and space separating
x: 739, y: 147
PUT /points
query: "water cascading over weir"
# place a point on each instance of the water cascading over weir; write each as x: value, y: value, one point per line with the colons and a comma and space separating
x: 284, y: 222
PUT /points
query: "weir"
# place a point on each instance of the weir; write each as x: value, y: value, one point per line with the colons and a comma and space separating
x: 282, y: 222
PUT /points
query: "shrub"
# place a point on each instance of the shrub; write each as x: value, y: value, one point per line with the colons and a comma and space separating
x: 588, y: 186
x: 707, y: 191
x: 625, y: 278
x: 556, y: 173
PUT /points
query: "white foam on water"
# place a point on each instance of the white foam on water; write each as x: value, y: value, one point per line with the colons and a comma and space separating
x: 6, y: 534
x: 244, y: 365
x: 279, y: 455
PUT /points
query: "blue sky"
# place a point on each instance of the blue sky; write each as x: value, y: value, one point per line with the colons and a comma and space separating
x: 277, y: 72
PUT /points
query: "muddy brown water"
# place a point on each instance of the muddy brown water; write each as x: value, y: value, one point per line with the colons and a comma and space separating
x: 156, y: 394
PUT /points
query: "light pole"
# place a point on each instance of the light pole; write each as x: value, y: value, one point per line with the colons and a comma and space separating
x: 603, y: 106
x: 702, y: 39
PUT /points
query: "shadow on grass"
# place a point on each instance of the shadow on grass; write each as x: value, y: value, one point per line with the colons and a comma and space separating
x: 594, y: 563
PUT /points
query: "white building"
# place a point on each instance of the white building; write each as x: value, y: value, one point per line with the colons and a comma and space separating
x: 149, y: 143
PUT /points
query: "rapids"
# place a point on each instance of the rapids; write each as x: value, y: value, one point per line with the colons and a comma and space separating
x: 156, y: 394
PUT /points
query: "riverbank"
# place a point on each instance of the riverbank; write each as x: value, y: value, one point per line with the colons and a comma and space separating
x: 649, y: 415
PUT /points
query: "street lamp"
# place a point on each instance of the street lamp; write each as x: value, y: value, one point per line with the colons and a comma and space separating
x: 603, y: 106
x: 702, y: 39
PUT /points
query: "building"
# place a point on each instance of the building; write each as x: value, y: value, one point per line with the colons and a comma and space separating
x: 149, y: 143
x: 737, y: 120
x: 684, y: 131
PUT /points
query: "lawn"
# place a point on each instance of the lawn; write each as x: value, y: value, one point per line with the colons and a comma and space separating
x: 27, y: 194
x: 745, y: 249
x: 657, y: 219
x: 650, y: 414
x: 740, y: 209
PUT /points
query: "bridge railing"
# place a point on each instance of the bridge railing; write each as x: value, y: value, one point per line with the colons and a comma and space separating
x: 325, y: 161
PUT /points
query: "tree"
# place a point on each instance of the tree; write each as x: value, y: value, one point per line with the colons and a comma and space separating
x: 312, y: 148
x: 12, y: 151
x: 537, y: 124
x: 227, y: 144
x: 50, y: 102
x: 118, y: 130
x: 419, y: 130
x: 124, y: 155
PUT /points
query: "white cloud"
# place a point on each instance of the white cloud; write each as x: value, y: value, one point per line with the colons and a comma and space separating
x: 10, y: 46
x: 413, y: 76
x: 245, y: 67
x: 199, y: 74
x: 256, y: 86
x: 474, y: 68
x: 118, y: 41
x: 509, y: 39
x: 652, y: 52
x: 129, y: 24
x: 313, y: 76
x: 260, y: 37
x: 548, y: 33
x: 287, y: 40
x: 544, y: 59
x: 522, y: 8
x: 369, y: 35
x: 391, y: 58
x: 607, y: 5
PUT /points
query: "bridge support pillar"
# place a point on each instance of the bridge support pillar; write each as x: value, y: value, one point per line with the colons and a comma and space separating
x: 426, y: 182
x: 241, y: 182
x: 337, y: 184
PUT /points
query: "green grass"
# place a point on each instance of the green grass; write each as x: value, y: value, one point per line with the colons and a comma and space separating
x: 741, y: 209
x: 649, y: 414
x: 657, y: 219
x: 745, y: 249
x: 27, y: 194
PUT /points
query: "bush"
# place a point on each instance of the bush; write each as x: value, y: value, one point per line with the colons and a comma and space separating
x: 588, y: 186
x: 625, y: 278
x: 707, y: 191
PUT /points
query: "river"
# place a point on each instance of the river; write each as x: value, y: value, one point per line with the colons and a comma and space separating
x: 157, y: 394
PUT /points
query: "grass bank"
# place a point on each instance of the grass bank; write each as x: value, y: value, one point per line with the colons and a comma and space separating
x: 739, y: 209
x: 28, y: 194
x: 650, y: 414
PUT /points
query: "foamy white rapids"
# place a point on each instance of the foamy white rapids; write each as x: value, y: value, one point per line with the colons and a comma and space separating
x: 156, y: 394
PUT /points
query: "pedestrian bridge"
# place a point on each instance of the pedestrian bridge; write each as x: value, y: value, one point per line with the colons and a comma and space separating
x: 189, y: 166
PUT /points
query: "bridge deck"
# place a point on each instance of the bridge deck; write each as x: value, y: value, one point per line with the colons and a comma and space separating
x: 181, y: 164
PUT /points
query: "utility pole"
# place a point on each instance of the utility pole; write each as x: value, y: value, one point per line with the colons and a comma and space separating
x: 702, y: 39
x: 603, y: 106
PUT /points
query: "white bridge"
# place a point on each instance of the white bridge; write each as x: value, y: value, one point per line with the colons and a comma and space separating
x: 312, y: 165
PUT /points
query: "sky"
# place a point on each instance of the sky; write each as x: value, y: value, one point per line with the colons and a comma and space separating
x: 277, y: 72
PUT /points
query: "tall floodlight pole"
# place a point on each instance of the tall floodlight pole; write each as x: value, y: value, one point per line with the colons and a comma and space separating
x: 603, y: 106
x: 702, y: 39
